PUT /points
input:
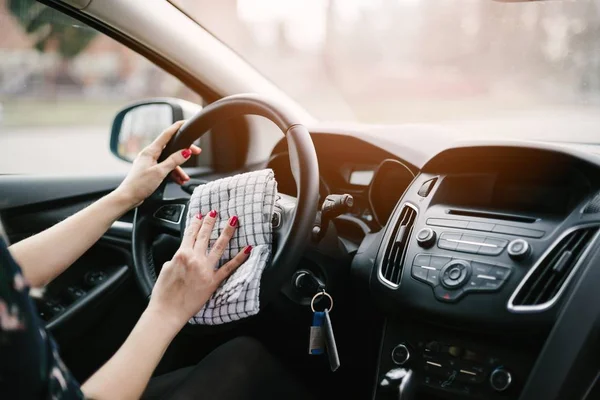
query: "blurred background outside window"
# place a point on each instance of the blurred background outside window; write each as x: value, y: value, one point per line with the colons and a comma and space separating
x: 527, y: 70
x: 524, y: 69
x: 61, y: 84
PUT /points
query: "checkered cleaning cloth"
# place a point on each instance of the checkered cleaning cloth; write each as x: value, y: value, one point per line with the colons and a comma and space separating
x: 250, y: 196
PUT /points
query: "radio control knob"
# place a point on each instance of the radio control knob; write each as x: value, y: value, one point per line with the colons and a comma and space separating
x: 500, y: 379
x: 426, y: 237
x: 400, y: 354
x: 518, y: 249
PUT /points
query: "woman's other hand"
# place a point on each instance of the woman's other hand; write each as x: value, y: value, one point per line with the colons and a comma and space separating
x: 187, y: 281
x: 146, y: 174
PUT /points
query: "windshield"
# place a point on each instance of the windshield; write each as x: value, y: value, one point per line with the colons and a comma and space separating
x: 399, y: 61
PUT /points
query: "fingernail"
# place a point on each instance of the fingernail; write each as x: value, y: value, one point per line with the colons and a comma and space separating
x: 186, y: 153
x: 212, y: 214
x: 199, y: 216
x: 233, y: 221
x: 248, y: 250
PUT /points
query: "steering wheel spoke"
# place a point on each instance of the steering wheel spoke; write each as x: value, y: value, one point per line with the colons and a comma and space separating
x: 168, y: 216
x: 283, y: 217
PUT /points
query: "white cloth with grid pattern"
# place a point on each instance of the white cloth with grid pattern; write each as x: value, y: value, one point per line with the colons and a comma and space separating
x: 250, y: 196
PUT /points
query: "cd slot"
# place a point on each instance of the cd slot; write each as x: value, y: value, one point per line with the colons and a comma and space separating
x: 492, y: 215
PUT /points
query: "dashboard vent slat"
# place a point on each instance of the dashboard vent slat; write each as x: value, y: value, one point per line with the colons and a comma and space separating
x: 549, y: 276
x: 393, y: 259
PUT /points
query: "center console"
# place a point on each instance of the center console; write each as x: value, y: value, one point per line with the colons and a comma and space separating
x: 471, y: 265
x: 450, y: 364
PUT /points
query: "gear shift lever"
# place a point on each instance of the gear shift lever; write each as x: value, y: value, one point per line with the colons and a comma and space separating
x: 399, y: 384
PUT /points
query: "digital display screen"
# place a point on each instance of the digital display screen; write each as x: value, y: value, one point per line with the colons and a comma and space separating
x: 361, y: 178
x: 509, y: 193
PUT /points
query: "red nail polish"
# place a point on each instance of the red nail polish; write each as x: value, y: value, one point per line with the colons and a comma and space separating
x: 186, y: 153
x: 199, y: 215
x: 212, y: 214
x: 233, y: 221
x: 248, y: 250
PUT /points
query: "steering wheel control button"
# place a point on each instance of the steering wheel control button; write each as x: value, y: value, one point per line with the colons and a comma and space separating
x: 500, y: 379
x: 426, y: 237
x: 400, y: 354
x: 276, y: 219
x: 170, y: 213
x: 446, y: 295
x: 455, y: 274
x: 518, y: 249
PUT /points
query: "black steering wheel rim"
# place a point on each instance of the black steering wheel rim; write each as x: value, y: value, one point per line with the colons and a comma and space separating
x: 298, y: 220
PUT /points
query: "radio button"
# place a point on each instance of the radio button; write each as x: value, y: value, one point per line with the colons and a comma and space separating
x: 419, y: 273
x: 489, y: 285
x: 438, y: 262
x: 480, y: 268
x: 496, y: 242
x: 490, y: 251
x: 467, y: 248
x: 446, y: 244
x: 422, y: 260
x: 500, y: 272
x: 483, y: 284
x: 433, y: 277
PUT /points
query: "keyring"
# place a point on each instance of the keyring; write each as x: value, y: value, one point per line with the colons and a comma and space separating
x: 316, y: 296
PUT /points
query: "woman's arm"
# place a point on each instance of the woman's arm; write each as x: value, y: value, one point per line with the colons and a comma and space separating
x: 47, y: 254
x: 185, y: 283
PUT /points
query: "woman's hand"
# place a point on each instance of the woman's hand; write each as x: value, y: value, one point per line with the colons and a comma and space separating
x: 146, y: 174
x: 187, y: 281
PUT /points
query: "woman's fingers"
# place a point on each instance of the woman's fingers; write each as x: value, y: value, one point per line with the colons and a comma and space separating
x: 157, y: 146
x: 195, y: 149
x: 221, y: 243
x: 228, y: 268
x: 178, y: 175
x: 174, y: 160
x: 208, y: 223
x: 191, y: 232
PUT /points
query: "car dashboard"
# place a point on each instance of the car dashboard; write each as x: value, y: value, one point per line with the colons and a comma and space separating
x: 349, y: 165
x: 470, y: 255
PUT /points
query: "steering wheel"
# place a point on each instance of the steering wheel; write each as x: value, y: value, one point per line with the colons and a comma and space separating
x: 295, y: 216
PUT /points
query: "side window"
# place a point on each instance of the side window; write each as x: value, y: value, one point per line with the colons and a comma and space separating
x: 61, y: 84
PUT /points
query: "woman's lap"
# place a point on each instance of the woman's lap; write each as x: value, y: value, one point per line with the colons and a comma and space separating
x: 238, y: 370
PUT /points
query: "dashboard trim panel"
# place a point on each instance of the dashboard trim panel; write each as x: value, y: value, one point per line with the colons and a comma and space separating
x: 370, y: 196
x: 386, y: 240
x: 548, y: 304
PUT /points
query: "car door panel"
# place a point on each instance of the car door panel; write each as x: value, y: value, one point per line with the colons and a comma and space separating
x: 32, y: 204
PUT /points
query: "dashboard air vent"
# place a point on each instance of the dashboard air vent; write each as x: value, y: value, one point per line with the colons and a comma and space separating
x: 544, y: 283
x: 393, y: 259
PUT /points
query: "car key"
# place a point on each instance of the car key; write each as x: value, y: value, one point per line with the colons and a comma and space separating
x: 316, y: 344
x: 332, y: 352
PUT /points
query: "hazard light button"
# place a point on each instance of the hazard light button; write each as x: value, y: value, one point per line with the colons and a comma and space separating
x: 446, y: 295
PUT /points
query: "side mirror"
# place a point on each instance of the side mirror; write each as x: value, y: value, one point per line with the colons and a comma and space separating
x: 138, y: 124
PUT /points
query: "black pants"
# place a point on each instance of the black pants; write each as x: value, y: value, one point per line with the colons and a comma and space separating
x: 239, y: 369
